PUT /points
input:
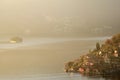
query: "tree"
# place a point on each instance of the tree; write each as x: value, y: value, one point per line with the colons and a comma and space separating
x: 108, y: 41
x: 116, y: 39
x: 97, y: 46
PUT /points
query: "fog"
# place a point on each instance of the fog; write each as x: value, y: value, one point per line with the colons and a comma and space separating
x: 53, y: 32
x: 69, y: 18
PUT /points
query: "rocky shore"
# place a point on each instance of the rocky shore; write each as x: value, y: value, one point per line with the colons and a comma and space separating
x: 101, y: 61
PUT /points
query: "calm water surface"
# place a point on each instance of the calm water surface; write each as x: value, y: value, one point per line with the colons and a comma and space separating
x: 43, y: 58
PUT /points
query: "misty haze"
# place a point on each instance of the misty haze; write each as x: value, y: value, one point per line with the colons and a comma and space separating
x: 39, y: 36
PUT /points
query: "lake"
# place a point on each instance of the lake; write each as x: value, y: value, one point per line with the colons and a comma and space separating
x: 43, y: 58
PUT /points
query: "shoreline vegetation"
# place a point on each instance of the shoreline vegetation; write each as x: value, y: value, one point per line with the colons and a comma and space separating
x: 104, y: 60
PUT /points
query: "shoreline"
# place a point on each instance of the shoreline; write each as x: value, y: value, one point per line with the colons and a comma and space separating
x: 103, y: 60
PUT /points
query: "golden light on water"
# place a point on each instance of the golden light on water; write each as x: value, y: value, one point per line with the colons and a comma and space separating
x: 52, y: 32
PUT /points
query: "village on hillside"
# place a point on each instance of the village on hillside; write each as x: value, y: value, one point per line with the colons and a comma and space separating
x: 103, y: 60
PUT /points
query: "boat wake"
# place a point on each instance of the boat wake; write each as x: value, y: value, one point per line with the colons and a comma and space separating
x: 41, y: 41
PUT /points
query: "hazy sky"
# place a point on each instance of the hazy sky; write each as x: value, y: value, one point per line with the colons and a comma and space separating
x: 56, y: 16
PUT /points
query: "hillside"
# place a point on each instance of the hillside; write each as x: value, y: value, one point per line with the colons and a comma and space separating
x: 103, y: 60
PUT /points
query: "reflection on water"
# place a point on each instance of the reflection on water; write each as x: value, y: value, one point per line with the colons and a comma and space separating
x: 115, y: 76
x: 59, y: 76
x: 34, y: 57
